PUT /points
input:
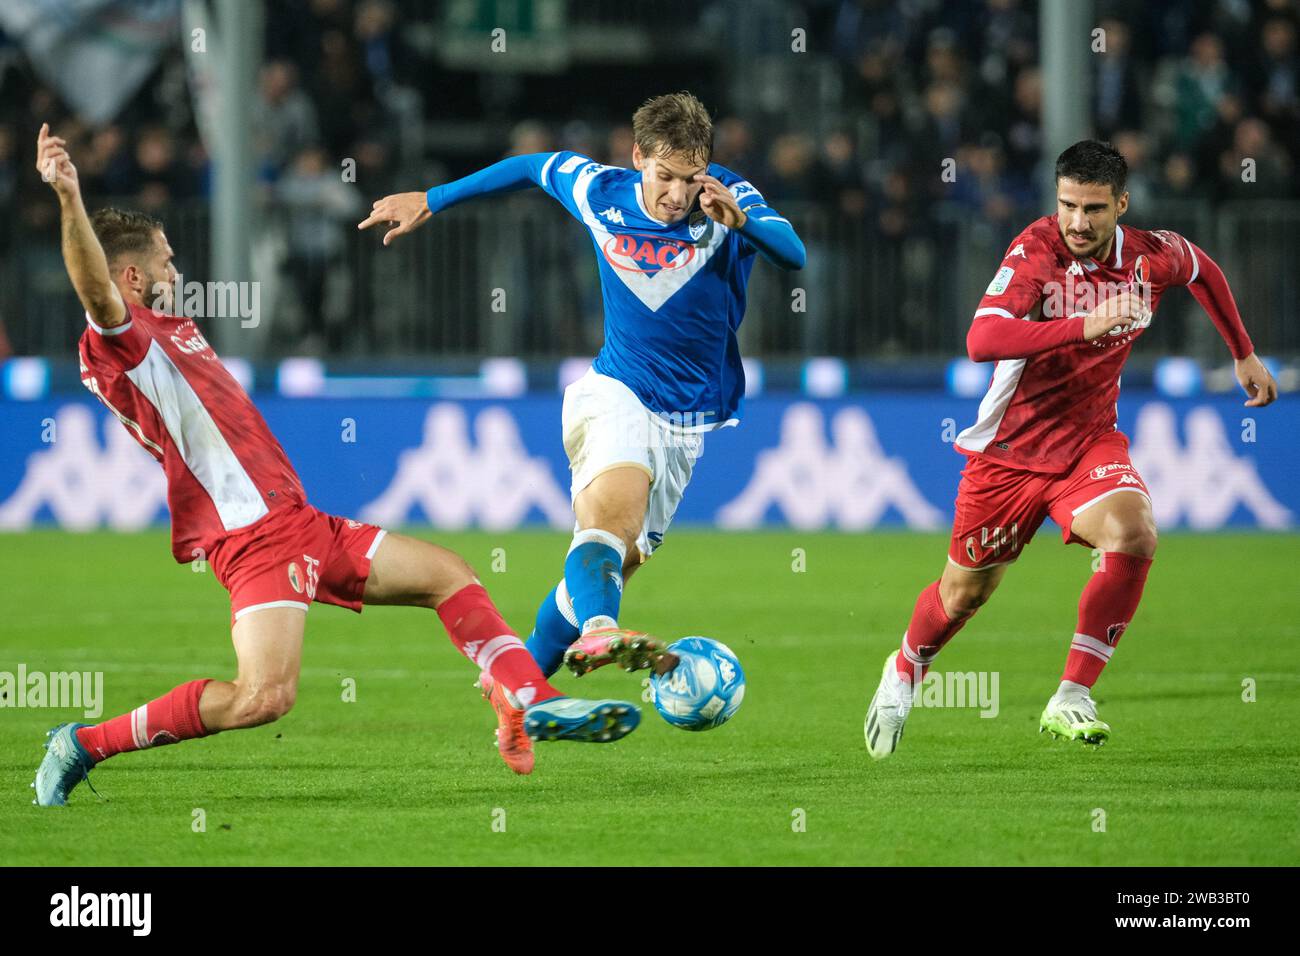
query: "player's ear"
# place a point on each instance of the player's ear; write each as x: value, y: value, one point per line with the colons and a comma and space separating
x: 638, y: 158
x: 1121, y: 206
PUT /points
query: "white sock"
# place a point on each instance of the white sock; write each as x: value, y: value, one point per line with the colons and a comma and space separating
x: 1069, y: 690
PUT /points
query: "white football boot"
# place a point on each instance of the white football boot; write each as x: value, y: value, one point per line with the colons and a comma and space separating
x: 888, y: 712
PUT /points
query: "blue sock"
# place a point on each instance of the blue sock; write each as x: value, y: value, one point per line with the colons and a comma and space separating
x: 554, y: 630
x: 593, y: 574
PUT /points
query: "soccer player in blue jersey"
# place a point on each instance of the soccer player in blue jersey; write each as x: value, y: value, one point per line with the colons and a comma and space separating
x: 675, y: 238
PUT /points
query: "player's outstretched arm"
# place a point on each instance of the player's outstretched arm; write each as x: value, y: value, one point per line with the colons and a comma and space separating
x: 82, y: 254
x: 996, y: 335
x: 408, y: 211
x: 769, y: 233
x: 1209, y: 286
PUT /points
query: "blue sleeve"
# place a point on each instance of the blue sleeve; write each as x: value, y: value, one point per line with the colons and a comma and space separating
x: 766, y: 230
x: 556, y: 173
x: 774, y: 237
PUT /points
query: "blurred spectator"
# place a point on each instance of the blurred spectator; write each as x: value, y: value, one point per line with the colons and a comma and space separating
x: 1135, y: 147
x: 284, y: 118
x: 1117, y: 97
x: 321, y: 211
x: 1203, y: 78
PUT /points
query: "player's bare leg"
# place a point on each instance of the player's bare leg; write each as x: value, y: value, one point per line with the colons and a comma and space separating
x: 268, y: 648
x: 1123, y: 529
x: 412, y: 573
x: 941, y: 611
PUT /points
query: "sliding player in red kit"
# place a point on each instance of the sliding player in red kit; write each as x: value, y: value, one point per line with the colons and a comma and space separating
x: 1073, y: 293
x: 236, y: 501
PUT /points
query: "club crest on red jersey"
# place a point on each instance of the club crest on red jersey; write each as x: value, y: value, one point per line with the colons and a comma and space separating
x: 1142, y: 271
x: 295, y: 577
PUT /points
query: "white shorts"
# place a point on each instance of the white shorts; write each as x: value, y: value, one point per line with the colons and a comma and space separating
x: 606, y: 426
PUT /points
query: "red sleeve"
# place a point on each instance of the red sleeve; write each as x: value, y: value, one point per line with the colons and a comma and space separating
x: 1207, y: 283
x: 119, y: 347
x: 1002, y: 327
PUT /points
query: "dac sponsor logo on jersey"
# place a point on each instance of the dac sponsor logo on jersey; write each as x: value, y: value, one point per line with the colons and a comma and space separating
x: 1001, y: 281
x: 647, y: 254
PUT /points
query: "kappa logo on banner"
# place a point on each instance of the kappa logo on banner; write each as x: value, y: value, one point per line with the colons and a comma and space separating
x: 847, y: 483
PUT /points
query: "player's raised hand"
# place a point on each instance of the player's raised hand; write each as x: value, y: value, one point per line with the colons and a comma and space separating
x: 1257, y: 381
x: 718, y: 203
x: 55, y: 165
x: 405, y: 212
x: 1116, y: 314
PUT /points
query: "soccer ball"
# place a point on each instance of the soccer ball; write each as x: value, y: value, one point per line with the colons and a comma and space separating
x: 706, y: 687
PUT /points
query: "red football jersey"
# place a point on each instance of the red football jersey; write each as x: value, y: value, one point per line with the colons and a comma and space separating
x: 163, y: 381
x: 1041, y: 410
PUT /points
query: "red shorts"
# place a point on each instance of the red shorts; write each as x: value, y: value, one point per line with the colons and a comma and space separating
x: 1000, y: 508
x: 293, y: 557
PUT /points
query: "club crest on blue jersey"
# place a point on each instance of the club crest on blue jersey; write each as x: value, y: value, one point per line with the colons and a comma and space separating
x: 697, y: 224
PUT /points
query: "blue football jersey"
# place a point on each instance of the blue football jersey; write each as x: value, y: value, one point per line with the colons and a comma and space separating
x: 674, y: 294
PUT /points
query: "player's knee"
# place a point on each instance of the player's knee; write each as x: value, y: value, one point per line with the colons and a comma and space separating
x: 1137, y: 537
x: 963, y: 600
x: 449, y: 575
x: 264, y: 704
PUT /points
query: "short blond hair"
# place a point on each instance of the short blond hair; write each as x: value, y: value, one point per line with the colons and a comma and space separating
x: 674, y: 123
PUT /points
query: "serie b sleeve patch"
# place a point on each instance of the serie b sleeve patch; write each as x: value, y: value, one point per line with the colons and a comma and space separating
x: 1000, y: 281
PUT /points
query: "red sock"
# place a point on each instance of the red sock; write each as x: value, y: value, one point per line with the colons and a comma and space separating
x: 479, y: 632
x: 171, y: 718
x: 930, y: 629
x: 1109, y: 600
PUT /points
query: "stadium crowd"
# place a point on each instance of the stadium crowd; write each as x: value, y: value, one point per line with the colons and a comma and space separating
x: 1186, y: 90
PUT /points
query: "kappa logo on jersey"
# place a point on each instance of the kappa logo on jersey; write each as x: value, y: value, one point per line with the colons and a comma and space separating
x: 1075, y: 269
x: 647, y: 254
x: 1127, y: 480
x: 743, y: 188
x: 614, y: 215
x: 1019, y: 250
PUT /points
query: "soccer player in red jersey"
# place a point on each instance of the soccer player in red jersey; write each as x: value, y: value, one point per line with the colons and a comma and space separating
x: 1072, y: 294
x: 236, y: 501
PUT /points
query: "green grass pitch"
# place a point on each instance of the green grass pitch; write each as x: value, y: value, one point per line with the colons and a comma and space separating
x: 407, y: 774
